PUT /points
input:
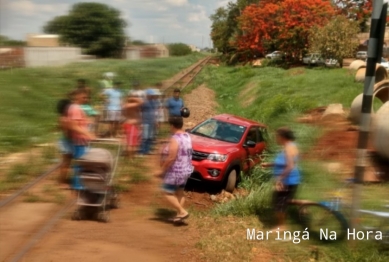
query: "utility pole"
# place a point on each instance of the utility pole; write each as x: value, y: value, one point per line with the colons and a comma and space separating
x: 374, y: 53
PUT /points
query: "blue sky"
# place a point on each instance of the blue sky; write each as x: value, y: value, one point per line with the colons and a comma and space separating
x: 149, y: 20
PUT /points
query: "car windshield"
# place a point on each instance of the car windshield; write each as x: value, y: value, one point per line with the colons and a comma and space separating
x: 219, y: 130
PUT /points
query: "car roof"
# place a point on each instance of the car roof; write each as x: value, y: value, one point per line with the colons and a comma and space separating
x: 237, y: 120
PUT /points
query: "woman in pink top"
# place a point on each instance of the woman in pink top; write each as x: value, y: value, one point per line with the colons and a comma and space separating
x: 78, y: 128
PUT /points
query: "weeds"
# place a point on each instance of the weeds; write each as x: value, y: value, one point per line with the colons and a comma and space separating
x: 32, y: 198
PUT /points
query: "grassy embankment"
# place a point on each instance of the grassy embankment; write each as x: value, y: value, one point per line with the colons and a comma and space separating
x: 28, y: 99
x: 277, y: 97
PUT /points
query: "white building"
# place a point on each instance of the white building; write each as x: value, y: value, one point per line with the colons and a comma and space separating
x: 194, y: 48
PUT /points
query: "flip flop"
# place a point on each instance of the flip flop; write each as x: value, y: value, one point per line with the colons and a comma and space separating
x: 180, y: 219
x: 171, y: 219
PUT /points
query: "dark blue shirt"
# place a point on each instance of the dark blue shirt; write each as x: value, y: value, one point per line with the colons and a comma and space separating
x: 174, y: 106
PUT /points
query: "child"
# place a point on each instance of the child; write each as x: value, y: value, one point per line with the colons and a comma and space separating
x: 132, y: 122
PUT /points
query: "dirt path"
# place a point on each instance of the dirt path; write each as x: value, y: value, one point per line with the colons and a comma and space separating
x: 136, y: 232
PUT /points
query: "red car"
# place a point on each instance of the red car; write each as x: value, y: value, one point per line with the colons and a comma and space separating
x: 225, y: 145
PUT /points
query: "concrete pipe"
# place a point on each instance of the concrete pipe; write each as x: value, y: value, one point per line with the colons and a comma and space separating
x: 381, y: 131
x: 381, y: 91
x: 356, y: 64
x: 380, y: 74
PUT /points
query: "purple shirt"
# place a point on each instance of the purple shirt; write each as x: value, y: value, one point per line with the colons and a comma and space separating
x: 182, y: 168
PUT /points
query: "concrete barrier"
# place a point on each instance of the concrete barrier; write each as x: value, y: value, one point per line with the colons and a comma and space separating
x: 51, y: 56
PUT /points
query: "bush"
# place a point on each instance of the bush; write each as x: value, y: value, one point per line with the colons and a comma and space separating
x: 179, y: 49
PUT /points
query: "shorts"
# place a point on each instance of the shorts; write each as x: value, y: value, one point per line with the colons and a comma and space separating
x: 78, y: 151
x: 114, y: 116
x: 282, y: 198
x: 132, y: 134
x: 65, y: 146
x: 171, y: 189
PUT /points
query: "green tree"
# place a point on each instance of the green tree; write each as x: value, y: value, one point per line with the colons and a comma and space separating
x: 5, y: 41
x: 337, y: 39
x: 224, y: 28
x: 95, y: 27
x: 179, y: 49
x: 138, y: 42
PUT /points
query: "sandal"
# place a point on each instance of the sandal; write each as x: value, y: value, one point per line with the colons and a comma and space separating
x: 180, y: 219
x: 171, y: 219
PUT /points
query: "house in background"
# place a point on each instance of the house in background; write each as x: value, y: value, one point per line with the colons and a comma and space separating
x: 146, y: 51
x: 47, y: 50
x: 194, y: 48
x: 43, y: 40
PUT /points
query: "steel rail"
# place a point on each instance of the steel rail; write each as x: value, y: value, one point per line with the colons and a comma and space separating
x: 9, y: 199
x: 44, y: 229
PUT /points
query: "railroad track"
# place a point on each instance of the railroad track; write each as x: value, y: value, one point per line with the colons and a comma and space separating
x: 187, y: 76
x: 25, y: 246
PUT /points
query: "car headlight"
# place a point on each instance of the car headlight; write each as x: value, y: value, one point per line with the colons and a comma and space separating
x: 217, y: 157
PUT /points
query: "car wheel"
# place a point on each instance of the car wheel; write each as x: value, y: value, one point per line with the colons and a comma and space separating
x: 231, y: 181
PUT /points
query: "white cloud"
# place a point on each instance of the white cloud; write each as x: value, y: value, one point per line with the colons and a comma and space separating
x: 198, y: 15
x: 162, y: 8
x: 29, y: 8
x: 177, y: 2
x: 222, y: 3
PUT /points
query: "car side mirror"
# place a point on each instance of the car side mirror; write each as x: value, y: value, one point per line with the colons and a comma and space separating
x: 250, y: 144
x: 188, y: 130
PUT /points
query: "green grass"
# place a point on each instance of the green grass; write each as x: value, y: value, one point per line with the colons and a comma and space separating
x: 29, y: 95
x: 279, y: 97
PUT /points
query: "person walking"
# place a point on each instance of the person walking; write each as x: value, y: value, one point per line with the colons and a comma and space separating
x: 286, y: 174
x: 113, y: 107
x: 176, y: 167
x: 175, y: 104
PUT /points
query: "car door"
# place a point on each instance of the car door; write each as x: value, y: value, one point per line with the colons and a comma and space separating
x: 253, y: 154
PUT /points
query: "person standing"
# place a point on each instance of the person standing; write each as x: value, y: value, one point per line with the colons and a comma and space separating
x: 286, y: 174
x: 113, y: 107
x: 81, y: 84
x: 175, y: 103
x: 132, y: 122
x: 148, y: 122
x: 78, y: 130
x: 176, y: 167
x: 93, y: 116
x: 65, y: 143
x: 107, y: 80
